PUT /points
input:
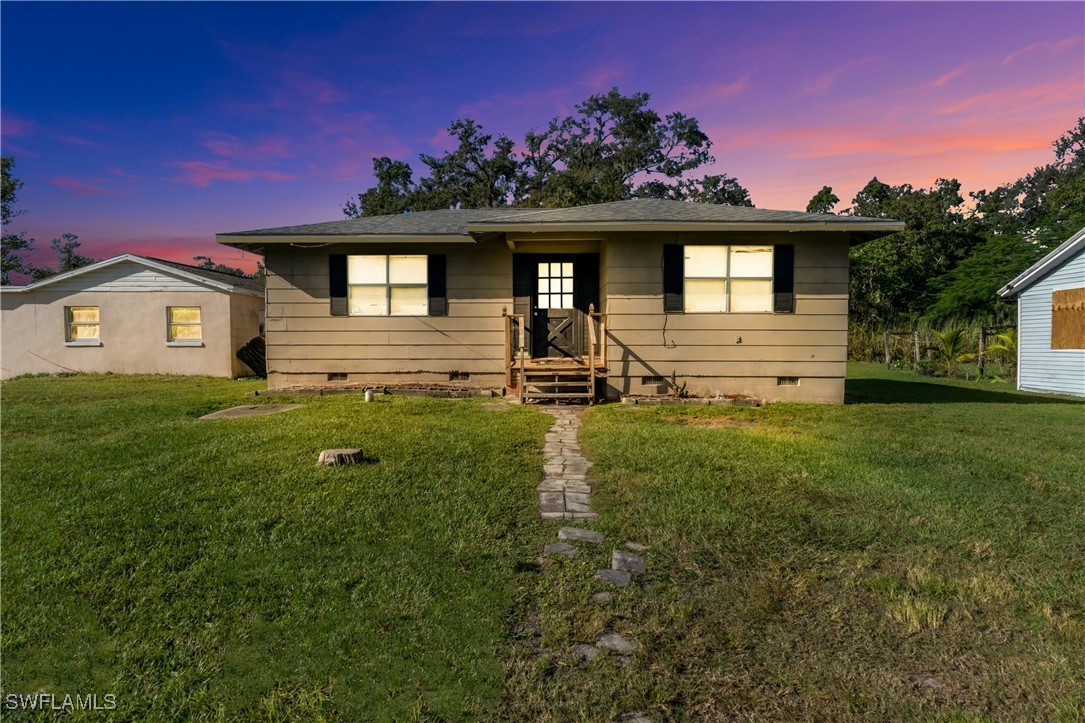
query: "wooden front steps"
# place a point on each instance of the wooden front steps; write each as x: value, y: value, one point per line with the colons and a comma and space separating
x: 546, y: 381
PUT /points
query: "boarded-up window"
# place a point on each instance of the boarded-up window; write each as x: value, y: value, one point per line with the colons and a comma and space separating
x: 1068, y: 319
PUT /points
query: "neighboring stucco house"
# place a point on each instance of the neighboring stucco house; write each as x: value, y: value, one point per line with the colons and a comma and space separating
x: 1051, y: 320
x: 651, y: 296
x: 131, y: 315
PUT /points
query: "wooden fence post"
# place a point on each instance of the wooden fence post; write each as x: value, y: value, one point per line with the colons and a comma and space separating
x: 982, y: 349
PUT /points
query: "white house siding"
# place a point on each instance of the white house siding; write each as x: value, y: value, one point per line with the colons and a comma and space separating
x: 1041, y: 368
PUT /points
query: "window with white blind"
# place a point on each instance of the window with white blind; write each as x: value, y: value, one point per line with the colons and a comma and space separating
x: 728, y: 279
x: 387, y: 285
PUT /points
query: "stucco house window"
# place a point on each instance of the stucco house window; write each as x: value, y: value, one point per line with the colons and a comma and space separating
x: 185, y: 325
x: 728, y: 279
x: 387, y: 285
x: 82, y: 324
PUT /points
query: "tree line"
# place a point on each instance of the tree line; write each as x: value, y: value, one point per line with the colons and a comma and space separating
x: 945, y: 265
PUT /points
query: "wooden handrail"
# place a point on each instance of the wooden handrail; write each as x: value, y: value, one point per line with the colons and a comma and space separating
x: 514, y: 353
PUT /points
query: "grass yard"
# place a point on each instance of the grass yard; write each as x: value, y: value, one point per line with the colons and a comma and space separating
x: 917, y: 553
x: 211, y: 570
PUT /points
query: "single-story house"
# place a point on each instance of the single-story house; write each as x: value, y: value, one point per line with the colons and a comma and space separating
x: 631, y: 297
x: 130, y: 315
x: 1051, y: 320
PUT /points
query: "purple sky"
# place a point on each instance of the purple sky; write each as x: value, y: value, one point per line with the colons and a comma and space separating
x: 149, y: 127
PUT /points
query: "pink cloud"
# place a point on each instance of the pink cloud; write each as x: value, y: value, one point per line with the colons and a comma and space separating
x: 122, y: 174
x: 1056, y: 46
x: 950, y: 75
x: 1030, y: 99
x: 702, y: 95
x: 826, y: 80
x: 77, y: 141
x: 230, y: 146
x: 13, y: 127
x: 201, y: 173
x: 80, y: 188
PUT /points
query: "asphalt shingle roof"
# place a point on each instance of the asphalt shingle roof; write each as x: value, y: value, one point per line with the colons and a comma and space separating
x: 657, y: 210
x: 222, y: 277
x: 455, y: 222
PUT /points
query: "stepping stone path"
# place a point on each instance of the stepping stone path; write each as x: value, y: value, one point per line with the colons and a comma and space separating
x: 564, y: 494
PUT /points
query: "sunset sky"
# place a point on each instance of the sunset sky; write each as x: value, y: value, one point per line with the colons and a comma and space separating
x: 150, y: 127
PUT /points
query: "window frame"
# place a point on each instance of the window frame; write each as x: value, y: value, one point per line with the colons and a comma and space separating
x: 388, y: 285
x: 727, y: 279
x: 70, y: 340
x: 170, y: 323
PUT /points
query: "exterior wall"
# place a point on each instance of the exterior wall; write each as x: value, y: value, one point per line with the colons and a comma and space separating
x: 1041, y: 368
x: 306, y: 344
x: 133, y: 327
x: 246, y: 318
x: 703, y: 351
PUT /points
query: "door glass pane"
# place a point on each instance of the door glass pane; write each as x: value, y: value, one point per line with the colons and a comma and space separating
x: 410, y: 301
x: 566, y: 301
x: 751, y: 295
x: 84, y: 331
x: 544, y: 286
x: 185, y: 331
x: 544, y: 301
x: 567, y: 270
x: 751, y: 261
x: 84, y: 313
x: 407, y: 269
x: 366, y: 269
x: 368, y: 300
x: 544, y: 270
x: 706, y: 294
x: 706, y: 261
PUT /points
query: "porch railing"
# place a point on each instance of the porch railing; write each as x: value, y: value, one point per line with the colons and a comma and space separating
x: 515, y: 348
x: 515, y: 353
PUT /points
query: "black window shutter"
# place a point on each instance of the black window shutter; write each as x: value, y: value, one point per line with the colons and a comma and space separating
x: 783, y: 279
x: 337, y: 283
x: 674, y: 263
x: 436, y: 278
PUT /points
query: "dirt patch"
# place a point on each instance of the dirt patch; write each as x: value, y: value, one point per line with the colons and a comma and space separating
x: 709, y: 422
x: 251, y: 410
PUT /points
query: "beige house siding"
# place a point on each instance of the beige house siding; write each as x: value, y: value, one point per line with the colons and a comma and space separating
x: 306, y: 344
x: 133, y: 328
x: 702, y: 351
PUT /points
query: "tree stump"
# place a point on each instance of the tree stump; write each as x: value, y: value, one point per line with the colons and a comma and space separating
x: 337, y: 457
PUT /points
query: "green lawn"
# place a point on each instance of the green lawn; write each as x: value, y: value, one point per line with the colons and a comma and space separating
x: 916, y: 553
x: 210, y: 569
x: 919, y: 552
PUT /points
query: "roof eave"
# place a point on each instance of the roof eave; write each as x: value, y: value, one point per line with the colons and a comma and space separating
x: 317, y: 240
x: 221, y: 286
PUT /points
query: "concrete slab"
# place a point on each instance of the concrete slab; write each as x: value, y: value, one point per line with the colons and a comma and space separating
x: 251, y: 410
